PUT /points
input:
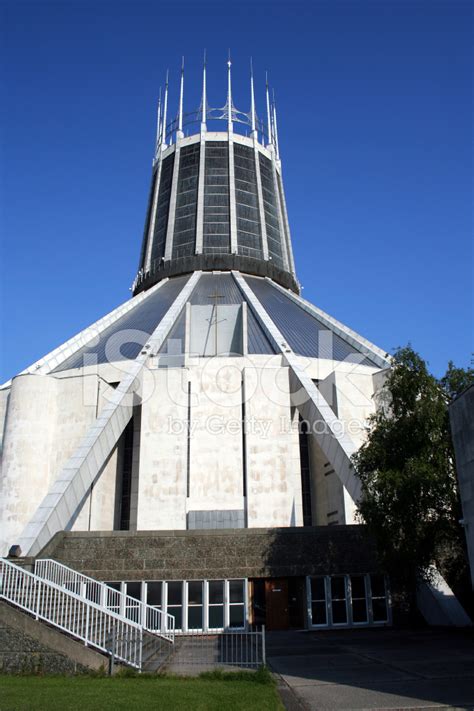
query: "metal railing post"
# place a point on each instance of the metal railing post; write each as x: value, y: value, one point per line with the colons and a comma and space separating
x: 38, y: 596
x: 112, y: 653
x: 140, y: 650
x: 264, y: 655
x: 86, y: 632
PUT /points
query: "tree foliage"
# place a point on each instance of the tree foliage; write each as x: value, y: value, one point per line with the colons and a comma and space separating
x: 409, y: 489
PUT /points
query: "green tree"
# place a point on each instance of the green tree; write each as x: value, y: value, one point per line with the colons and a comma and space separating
x: 409, y: 489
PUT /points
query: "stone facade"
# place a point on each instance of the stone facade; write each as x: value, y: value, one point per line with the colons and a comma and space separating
x: 187, y: 555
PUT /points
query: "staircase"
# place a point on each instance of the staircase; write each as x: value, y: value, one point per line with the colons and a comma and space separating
x: 135, y: 634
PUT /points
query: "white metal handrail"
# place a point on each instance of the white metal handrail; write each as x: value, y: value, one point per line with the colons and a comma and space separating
x: 148, y: 617
x: 81, y: 618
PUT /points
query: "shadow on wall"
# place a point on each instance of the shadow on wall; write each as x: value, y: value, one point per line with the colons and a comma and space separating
x: 319, y: 550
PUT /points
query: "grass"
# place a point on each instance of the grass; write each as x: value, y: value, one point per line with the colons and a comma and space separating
x: 211, y: 690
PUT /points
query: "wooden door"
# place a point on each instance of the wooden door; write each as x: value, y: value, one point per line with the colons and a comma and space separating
x: 276, y: 599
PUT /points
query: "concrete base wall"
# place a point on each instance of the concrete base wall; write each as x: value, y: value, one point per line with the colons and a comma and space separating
x: 231, y: 553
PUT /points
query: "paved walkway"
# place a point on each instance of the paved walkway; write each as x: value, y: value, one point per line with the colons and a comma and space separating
x: 374, y: 669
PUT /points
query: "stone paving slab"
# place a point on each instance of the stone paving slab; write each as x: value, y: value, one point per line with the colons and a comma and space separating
x: 411, y: 694
x: 307, y: 674
x: 384, y: 669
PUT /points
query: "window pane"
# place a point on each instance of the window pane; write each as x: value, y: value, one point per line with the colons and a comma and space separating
x: 115, y: 586
x: 177, y: 614
x: 377, y: 584
x: 195, y: 618
x: 236, y: 588
x: 216, y: 617
x: 132, y: 613
x: 195, y: 593
x: 379, y: 608
x: 358, y: 586
x: 319, y: 613
x: 216, y: 591
x: 338, y: 590
x: 134, y: 590
x: 153, y: 619
x: 339, y: 613
x: 359, y: 611
x: 92, y: 592
x: 175, y: 593
x: 317, y: 589
x: 236, y: 615
x: 153, y: 594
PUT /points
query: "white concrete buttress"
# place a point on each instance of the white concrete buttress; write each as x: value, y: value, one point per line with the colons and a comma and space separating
x: 65, y: 497
x: 338, y: 448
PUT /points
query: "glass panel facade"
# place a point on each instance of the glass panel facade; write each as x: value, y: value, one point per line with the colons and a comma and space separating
x: 175, y: 603
x: 351, y: 599
x: 379, y: 598
x: 236, y: 603
x: 338, y: 600
x: 153, y: 594
x: 318, y: 601
x: 270, y: 206
x: 249, y: 238
x: 359, y: 599
x: 216, y: 604
x: 216, y: 228
x: 133, y: 591
x: 184, y: 237
x: 195, y: 605
x: 162, y: 211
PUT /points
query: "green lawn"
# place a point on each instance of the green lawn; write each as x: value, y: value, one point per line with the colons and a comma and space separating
x: 36, y: 693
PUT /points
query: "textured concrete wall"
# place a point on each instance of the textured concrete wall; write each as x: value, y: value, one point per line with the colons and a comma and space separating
x: 462, y: 427
x: 187, y: 555
x: 47, y: 415
x: 45, y: 419
x: 163, y: 450
x: 273, y: 459
x: 30, y: 646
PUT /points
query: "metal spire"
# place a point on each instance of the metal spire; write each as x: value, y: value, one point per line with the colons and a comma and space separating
x: 269, y: 119
x: 165, y: 109
x: 179, y: 133
x: 275, y: 127
x: 204, y: 94
x: 229, y: 95
x: 158, y: 122
x: 252, y: 102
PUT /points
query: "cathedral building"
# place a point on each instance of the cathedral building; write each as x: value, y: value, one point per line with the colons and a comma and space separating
x: 193, y: 447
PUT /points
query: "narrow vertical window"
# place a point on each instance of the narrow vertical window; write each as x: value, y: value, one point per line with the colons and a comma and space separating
x: 188, y: 444
x: 305, y: 472
x: 244, y: 443
x: 126, y: 477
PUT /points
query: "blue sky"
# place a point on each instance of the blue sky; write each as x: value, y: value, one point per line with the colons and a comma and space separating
x: 375, y: 121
